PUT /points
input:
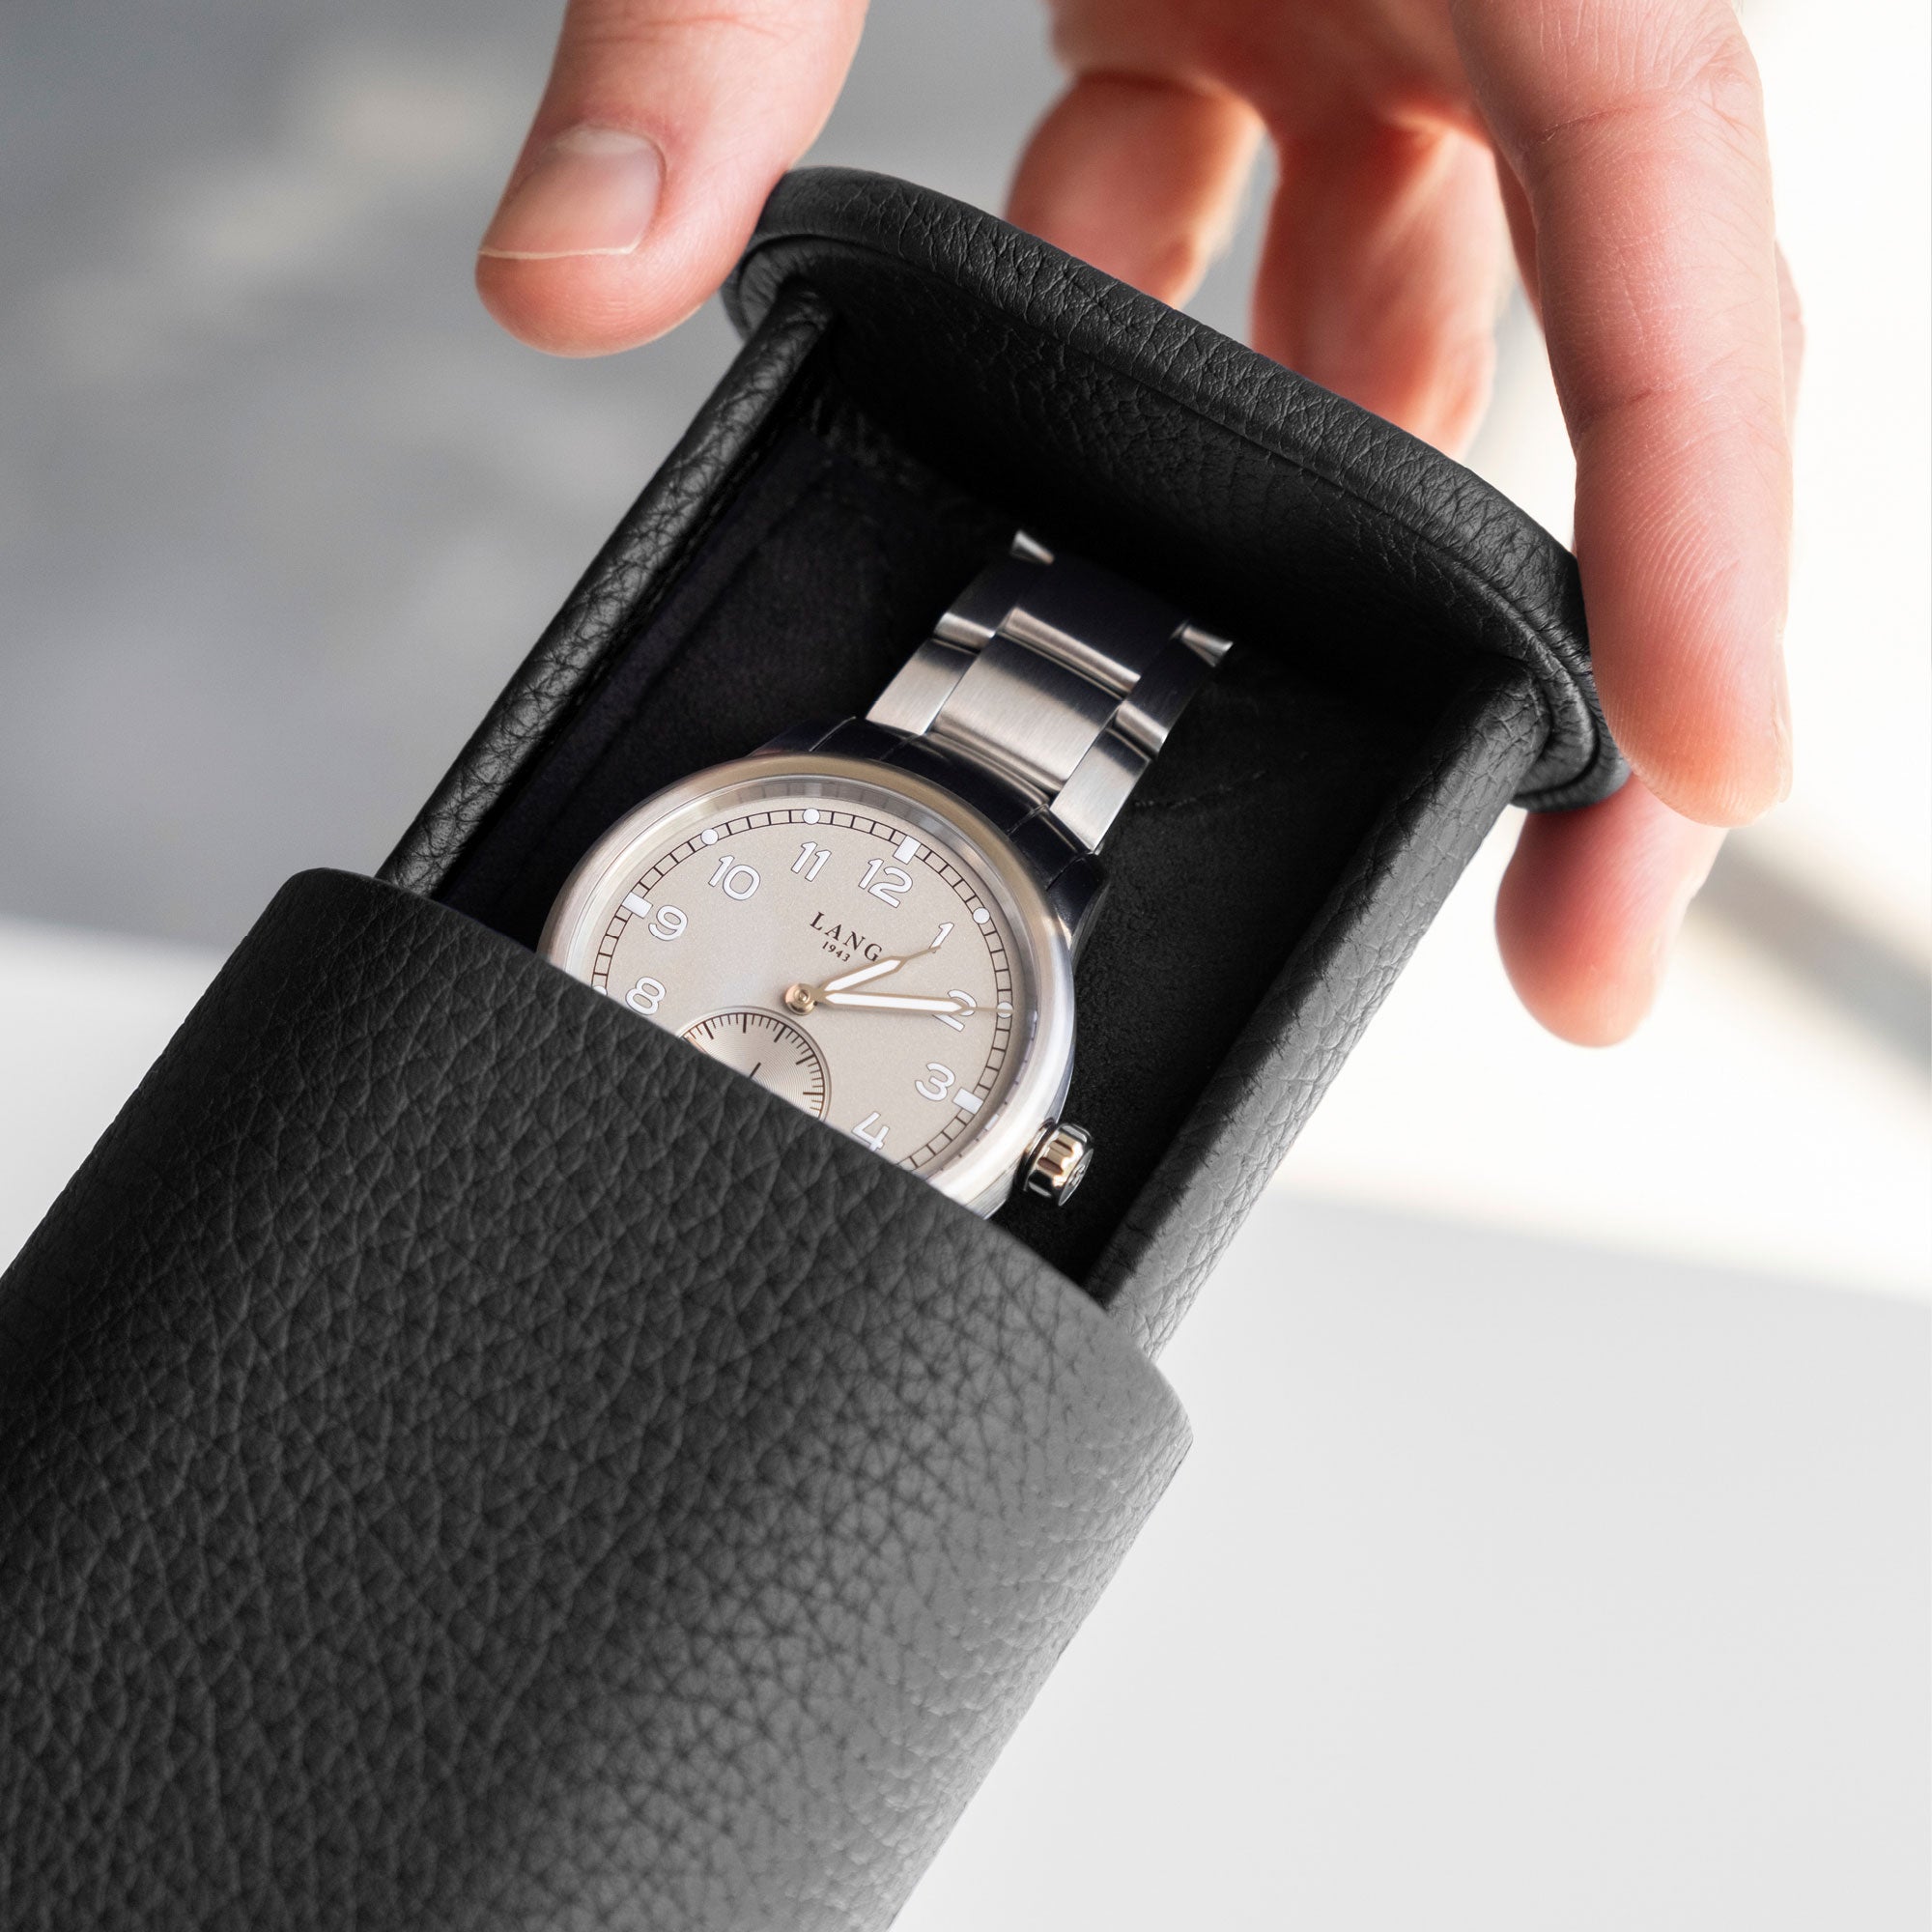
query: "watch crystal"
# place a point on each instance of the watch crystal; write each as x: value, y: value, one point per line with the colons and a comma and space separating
x: 839, y: 946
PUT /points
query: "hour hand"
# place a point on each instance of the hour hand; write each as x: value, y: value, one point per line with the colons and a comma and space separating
x: 858, y: 977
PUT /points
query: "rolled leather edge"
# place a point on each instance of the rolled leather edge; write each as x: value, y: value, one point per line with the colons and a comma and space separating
x: 1333, y: 501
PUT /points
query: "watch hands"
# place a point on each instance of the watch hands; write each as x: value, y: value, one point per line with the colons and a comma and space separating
x: 838, y: 991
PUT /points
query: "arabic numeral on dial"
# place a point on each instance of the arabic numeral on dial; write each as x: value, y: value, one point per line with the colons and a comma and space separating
x: 871, y: 1132
x: 891, y: 883
x: 939, y: 1086
x: 969, y: 1005
x: 646, y: 997
x: 812, y: 857
x: 668, y: 923
x: 739, y: 881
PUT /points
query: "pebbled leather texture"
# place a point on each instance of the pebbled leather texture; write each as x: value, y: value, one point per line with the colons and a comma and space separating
x: 1049, y: 374
x: 468, y: 1461
x: 625, y: 581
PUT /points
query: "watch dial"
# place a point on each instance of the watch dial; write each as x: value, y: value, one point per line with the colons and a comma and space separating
x: 828, y: 940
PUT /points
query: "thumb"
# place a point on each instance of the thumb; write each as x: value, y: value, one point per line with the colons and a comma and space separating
x: 664, y: 127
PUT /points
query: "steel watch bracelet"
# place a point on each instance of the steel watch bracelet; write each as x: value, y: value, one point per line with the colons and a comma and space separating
x: 1056, y: 676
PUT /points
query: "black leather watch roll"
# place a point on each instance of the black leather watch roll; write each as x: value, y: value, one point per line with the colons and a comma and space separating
x: 468, y: 1459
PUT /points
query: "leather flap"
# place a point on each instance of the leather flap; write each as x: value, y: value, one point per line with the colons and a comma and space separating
x: 467, y: 1460
x: 1146, y: 438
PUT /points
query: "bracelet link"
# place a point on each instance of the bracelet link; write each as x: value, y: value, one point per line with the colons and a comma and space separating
x: 1061, y: 678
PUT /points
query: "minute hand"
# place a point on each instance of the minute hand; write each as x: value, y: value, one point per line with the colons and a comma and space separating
x: 801, y: 998
x: 891, y: 1003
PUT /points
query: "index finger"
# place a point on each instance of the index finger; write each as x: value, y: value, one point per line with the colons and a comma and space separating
x: 1636, y: 130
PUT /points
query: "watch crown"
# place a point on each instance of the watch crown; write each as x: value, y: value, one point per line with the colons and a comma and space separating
x: 1057, y: 1162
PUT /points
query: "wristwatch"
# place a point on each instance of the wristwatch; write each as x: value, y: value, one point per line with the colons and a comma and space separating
x: 878, y: 919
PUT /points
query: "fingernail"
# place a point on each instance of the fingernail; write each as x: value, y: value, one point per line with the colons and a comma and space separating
x: 592, y: 191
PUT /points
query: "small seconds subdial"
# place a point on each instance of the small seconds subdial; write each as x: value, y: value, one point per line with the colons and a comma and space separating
x: 774, y: 1051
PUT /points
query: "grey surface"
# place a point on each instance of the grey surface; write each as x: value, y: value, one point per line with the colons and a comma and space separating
x: 279, y: 506
x: 1509, y: 1586
x: 1871, y: 978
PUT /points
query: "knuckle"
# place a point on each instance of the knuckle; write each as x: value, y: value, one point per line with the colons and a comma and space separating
x: 1690, y: 73
x: 646, y: 24
x: 1719, y: 85
x: 1717, y: 70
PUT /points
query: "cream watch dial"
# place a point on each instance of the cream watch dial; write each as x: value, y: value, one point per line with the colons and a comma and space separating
x: 846, y: 944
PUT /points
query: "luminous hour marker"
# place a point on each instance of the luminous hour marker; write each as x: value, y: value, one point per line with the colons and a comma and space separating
x: 980, y: 914
x: 810, y: 815
x: 710, y: 837
x: 1004, y: 1006
x: 907, y: 850
x: 636, y: 902
x: 969, y: 1103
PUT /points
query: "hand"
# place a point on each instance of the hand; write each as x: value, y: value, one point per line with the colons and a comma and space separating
x: 1618, y: 144
x: 801, y: 998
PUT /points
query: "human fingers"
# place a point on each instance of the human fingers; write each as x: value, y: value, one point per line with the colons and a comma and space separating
x: 1592, y: 901
x: 1590, y: 905
x: 1140, y: 176
x: 663, y: 127
x: 1385, y: 268
x: 1636, y: 130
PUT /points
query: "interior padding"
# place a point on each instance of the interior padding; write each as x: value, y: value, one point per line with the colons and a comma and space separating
x: 835, y: 559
